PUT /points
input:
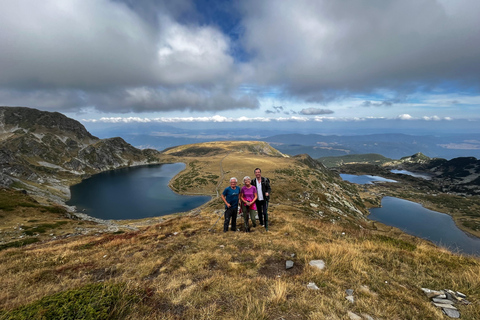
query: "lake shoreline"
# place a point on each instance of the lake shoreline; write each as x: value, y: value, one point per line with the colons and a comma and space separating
x: 144, y: 197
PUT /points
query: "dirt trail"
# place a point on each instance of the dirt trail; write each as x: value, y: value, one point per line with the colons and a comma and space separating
x: 222, y: 173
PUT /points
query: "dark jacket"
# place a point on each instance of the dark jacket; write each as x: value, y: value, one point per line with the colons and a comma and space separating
x: 265, y: 187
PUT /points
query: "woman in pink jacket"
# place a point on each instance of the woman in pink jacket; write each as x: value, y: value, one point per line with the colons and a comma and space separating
x: 248, y: 196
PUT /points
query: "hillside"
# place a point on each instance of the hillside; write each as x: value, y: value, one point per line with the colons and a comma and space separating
x: 45, y: 152
x: 458, y: 175
x: 369, y: 158
x: 183, y: 267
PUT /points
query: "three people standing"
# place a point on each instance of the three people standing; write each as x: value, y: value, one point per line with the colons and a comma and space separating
x: 253, y: 197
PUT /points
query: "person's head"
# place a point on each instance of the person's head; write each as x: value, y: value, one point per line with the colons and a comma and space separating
x: 247, y: 180
x: 233, y: 182
x: 258, y: 172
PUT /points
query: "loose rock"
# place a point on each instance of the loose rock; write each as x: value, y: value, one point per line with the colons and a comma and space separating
x: 320, y: 264
x: 289, y: 264
x: 353, y: 316
x: 312, y: 286
x: 350, y: 298
x: 451, y: 313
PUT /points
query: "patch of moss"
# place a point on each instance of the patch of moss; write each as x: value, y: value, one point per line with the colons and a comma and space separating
x: 397, y: 243
x: 93, y: 301
x: 17, y: 244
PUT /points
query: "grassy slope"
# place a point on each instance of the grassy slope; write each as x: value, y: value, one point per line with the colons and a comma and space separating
x: 176, y: 269
x: 370, y: 158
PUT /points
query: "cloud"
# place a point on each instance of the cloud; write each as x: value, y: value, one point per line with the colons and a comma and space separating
x: 404, y: 117
x: 368, y: 103
x: 159, y: 55
x: 104, y: 54
x: 315, y: 111
x: 138, y: 99
x: 275, y: 109
x: 320, y: 50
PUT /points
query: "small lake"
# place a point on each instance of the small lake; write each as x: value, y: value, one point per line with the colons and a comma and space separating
x: 132, y: 193
x: 416, y: 220
x: 413, y: 174
x: 364, y: 179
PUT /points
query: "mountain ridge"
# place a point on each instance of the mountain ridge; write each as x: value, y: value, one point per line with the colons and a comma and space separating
x: 41, y: 148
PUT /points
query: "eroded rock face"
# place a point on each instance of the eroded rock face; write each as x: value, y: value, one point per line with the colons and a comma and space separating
x: 38, y: 146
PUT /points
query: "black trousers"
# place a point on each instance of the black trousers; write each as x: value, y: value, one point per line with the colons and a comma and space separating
x: 262, y: 211
x: 230, y: 213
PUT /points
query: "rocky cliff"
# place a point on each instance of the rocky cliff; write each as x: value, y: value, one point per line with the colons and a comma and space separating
x: 45, y: 152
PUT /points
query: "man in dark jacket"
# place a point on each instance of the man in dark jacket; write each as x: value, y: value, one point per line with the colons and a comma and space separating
x: 263, y: 190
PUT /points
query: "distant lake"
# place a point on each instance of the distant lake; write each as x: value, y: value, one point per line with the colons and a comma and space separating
x: 413, y: 174
x: 132, y: 193
x: 364, y: 179
x: 416, y: 220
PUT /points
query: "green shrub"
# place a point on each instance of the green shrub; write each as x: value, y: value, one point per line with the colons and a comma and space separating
x: 19, y: 243
x: 93, y: 301
x: 397, y: 243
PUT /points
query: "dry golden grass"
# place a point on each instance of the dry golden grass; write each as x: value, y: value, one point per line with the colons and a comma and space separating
x: 177, y: 269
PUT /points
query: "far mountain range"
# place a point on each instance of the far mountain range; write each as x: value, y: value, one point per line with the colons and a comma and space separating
x: 391, y: 145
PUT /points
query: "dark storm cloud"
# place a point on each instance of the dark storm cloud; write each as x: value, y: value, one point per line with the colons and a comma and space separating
x: 315, y: 47
x: 315, y: 111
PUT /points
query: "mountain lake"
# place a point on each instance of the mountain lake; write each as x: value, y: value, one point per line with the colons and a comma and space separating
x: 363, y: 179
x: 132, y: 193
x: 414, y: 219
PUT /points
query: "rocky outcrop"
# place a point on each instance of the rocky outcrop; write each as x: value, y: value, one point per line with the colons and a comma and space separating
x: 50, y: 149
x: 458, y: 175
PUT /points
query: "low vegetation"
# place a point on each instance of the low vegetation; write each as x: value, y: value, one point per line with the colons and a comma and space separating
x: 185, y: 267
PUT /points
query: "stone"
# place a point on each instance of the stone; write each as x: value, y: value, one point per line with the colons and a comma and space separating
x: 320, y: 264
x: 461, y: 295
x: 289, y: 264
x: 432, y: 293
x: 367, y: 317
x: 451, y: 313
x: 437, y: 300
x: 349, y: 292
x: 312, y: 285
x: 444, y: 305
x: 314, y: 205
x: 353, y: 316
x: 350, y: 298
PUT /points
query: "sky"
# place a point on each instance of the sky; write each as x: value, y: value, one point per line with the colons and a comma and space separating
x: 142, y: 61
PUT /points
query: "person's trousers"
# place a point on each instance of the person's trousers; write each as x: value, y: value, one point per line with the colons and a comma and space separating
x: 230, y: 213
x: 262, y: 211
x: 247, y: 212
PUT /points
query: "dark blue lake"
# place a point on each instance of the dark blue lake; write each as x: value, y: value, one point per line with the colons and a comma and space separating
x: 132, y: 193
x: 416, y: 220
